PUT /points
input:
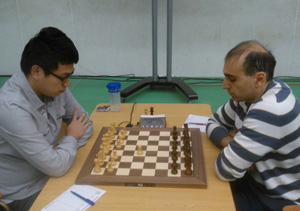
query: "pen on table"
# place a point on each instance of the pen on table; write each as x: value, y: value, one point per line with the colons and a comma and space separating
x: 196, y: 123
x: 84, y: 199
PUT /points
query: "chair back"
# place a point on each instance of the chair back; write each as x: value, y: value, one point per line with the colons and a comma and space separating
x: 3, y: 206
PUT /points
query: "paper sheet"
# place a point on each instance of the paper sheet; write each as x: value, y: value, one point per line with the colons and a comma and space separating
x: 69, y: 202
x: 197, y: 119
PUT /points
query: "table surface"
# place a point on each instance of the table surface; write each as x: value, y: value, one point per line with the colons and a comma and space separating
x: 217, y: 196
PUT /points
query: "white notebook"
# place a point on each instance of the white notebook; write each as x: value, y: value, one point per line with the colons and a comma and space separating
x: 69, y: 202
x: 195, y: 121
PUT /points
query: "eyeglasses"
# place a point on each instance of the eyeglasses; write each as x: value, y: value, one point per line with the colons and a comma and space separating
x: 62, y: 78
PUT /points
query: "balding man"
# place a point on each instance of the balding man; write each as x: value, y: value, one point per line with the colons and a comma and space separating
x: 262, y: 159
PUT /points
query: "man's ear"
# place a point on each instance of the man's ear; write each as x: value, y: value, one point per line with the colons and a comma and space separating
x: 260, y: 79
x: 36, y: 71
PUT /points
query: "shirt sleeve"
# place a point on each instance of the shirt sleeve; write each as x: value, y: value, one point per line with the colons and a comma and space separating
x: 70, y: 105
x: 254, y: 139
x: 221, y: 122
x: 20, y: 130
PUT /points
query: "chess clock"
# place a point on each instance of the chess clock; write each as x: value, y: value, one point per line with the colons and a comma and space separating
x: 153, y: 121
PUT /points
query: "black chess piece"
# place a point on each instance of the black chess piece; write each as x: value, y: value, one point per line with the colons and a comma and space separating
x: 174, y: 164
x: 151, y: 110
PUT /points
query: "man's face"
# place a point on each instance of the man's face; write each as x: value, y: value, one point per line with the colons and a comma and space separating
x: 51, y: 85
x: 240, y: 87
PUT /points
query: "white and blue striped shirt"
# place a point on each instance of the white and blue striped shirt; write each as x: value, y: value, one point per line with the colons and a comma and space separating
x: 267, y: 135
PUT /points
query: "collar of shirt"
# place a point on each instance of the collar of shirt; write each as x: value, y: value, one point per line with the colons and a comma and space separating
x: 36, y: 102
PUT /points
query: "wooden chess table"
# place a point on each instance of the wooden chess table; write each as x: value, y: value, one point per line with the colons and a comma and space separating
x: 216, y: 196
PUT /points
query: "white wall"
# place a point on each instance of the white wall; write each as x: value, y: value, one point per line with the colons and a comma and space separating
x: 114, y: 36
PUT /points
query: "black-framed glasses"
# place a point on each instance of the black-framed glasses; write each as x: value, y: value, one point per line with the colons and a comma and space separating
x: 62, y: 78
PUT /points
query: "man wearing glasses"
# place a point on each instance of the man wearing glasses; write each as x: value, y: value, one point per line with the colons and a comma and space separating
x: 33, y: 104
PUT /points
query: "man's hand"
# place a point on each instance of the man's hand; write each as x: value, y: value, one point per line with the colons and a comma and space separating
x: 225, y: 141
x: 253, y: 167
x: 78, y: 126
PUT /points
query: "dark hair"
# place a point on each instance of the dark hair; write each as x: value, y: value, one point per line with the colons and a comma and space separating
x: 258, y: 58
x: 47, y: 49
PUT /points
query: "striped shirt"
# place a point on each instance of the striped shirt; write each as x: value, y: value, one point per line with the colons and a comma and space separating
x: 267, y: 135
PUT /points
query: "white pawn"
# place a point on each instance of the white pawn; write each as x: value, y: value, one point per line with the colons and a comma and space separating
x: 118, y: 146
x: 112, y: 160
x: 97, y: 168
x: 110, y: 168
x: 102, y: 155
x: 106, y: 150
x: 121, y: 136
x: 140, y: 150
x: 101, y: 147
x: 123, y: 131
x: 115, y: 154
x: 101, y: 163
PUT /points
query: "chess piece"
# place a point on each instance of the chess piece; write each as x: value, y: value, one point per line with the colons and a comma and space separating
x: 109, y: 167
x: 115, y: 156
x: 106, y: 150
x: 174, y: 130
x: 140, y: 150
x: 188, y: 170
x: 107, y: 136
x: 186, y: 129
x: 121, y: 138
x: 186, y: 142
x: 101, y: 147
x: 188, y: 164
x: 174, y: 158
x: 118, y: 146
x: 113, y: 128
x: 112, y: 160
x: 174, y: 168
x: 175, y: 137
x: 101, y: 163
x: 104, y: 139
x: 151, y: 110
x: 100, y: 155
x: 104, y: 144
x: 174, y: 145
x: 97, y: 168
x: 174, y: 154
x: 109, y: 143
x: 123, y: 131
x: 111, y: 139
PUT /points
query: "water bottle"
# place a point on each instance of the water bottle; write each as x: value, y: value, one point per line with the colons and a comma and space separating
x: 114, y: 95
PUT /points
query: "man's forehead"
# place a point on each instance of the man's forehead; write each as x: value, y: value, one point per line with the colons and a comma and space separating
x: 64, y: 68
x: 234, y: 69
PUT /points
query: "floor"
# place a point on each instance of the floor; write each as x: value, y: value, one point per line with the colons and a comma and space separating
x: 90, y: 91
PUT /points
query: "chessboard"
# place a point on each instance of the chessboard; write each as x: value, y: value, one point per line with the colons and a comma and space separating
x: 145, y: 157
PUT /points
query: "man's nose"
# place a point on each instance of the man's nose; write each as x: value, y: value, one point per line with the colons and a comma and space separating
x: 67, y: 82
x: 225, y: 84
